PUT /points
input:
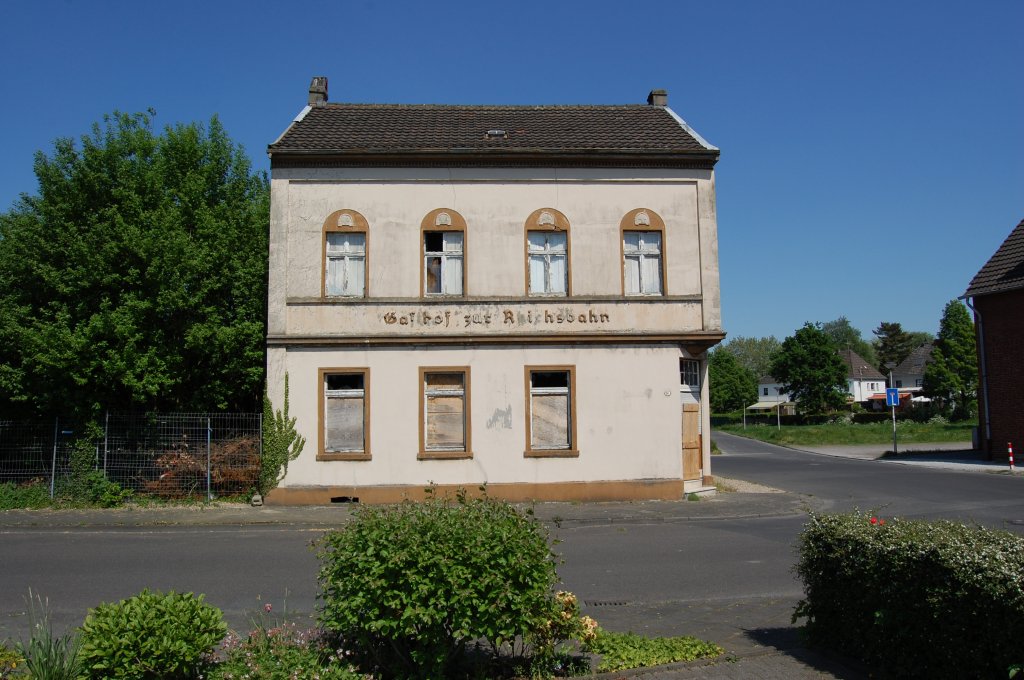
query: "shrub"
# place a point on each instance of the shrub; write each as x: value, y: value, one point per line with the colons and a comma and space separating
x: 914, y: 599
x: 9, y: 661
x: 151, y: 635
x: 410, y: 587
x: 31, y: 494
x: 85, y: 485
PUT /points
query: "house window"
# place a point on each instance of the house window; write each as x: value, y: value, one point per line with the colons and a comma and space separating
x: 551, y: 421
x: 765, y: 392
x: 643, y: 236
x: 899, y: 383
x: 344, y: 414
x: 444, y: 244
x: 689, y: 373
x: 442, y: 262
x: 547, y: 253
x: 346, y: 264
x: 548, y: 262
x: 919, y: 382
x: 444, y: 413
x: 344, y: 255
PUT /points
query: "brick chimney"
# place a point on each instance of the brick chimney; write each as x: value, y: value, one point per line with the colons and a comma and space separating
x: 318, y: 91
x: 655, y: 98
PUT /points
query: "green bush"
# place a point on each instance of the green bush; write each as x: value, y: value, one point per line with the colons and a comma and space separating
x: 85, y: 485
x: 151, y: 636
x: 621, y: 651
x: 410, y: 588
x: 34, y: 494
x: 914, y: 599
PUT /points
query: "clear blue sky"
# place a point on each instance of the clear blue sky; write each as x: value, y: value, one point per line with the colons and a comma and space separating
x: 872, y: 152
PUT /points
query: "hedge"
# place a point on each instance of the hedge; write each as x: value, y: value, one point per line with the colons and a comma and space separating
x: 914, y: 599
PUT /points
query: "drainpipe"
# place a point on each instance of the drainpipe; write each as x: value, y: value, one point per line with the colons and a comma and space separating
x: 984, y: 372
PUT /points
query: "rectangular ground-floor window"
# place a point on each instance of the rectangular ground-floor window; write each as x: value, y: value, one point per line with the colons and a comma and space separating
x: 550, y: 408
x: 444, y: 413
x: 344, y: 414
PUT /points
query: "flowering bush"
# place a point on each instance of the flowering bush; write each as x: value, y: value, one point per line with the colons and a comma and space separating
x: 914, y: 599
x: 284, y: 652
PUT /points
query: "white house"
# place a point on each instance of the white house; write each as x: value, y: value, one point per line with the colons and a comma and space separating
x: 516, y: 296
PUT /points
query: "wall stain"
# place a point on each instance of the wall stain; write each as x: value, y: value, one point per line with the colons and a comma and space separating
x: 502, y: 418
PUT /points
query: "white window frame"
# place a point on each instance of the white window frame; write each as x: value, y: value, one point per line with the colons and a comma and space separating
x: 643, y: 252
x: 546, y: 255
x: 445, y: 256
x: 351, y: 285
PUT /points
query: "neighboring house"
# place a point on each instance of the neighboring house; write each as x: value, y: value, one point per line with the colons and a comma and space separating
x: 771, y: 398
x: 996, y: 294
x: 863, y: 381
x: 908, y: 376
x: 516, y: 296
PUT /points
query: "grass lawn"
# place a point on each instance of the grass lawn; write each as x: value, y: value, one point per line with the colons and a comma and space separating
x: 867, y: 433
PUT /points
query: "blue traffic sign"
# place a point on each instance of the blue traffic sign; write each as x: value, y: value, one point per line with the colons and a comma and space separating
x: 892, y: 396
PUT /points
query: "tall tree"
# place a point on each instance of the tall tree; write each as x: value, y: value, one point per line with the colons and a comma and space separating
x: 809, y: 367
x: 952, y: 373
x: 731, y: 385
x: 754, y: 354
x: 136, y: 278
x: 845, y: 336
x: 892, y: 345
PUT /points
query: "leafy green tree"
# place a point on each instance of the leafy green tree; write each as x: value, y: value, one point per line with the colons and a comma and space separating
x: 845, y: 336
x: 731, y: 385
x: 952, y: 373
x: 754, y: 354
x: 892, y: 345
x: 136, y: 277
x: 809, y: 367
x: 918, y: 338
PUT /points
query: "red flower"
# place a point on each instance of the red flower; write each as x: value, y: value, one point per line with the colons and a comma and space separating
x: 881, y: 522
x: 874, y: 520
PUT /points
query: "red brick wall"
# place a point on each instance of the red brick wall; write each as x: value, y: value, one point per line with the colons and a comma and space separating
x: 1002, y: 316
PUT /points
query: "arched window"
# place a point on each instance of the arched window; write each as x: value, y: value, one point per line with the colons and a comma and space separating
x: 643, y: 248
x: 345, y: 273
x: 547, y: 253
x: 443, y: 235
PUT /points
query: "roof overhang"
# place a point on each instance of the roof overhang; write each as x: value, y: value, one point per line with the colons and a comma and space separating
x: 323, y: 158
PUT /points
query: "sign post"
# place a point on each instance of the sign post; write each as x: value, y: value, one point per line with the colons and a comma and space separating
x: 892, y: 399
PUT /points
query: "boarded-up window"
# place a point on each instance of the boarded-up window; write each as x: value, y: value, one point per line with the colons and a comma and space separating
x: 550, y: 410
x: 344, y: 408
x: 444, y: 404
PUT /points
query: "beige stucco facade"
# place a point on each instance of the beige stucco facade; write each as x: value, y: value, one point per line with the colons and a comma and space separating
x: 621, y: 351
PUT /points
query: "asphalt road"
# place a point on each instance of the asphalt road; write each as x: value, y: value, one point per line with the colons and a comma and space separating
x: 885, y: 487
x: 671, y: 577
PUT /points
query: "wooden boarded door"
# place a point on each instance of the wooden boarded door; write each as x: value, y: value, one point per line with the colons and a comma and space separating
x: 691, y: 442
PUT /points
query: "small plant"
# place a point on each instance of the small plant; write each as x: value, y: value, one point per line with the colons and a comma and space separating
x: 151, y: 635
x: 620, y: 651
x: 9, y: 661
x: 281, y: 442
x: 45, y: 656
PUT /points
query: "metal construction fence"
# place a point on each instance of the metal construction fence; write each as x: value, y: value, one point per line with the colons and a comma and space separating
x: 167, y: 455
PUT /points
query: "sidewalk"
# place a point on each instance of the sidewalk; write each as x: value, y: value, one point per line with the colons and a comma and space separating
x: 957, y: 456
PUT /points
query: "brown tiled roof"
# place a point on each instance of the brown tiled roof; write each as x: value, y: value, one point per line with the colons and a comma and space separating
x: 348, y: 130
x: 857, y: 368
x: 1004, y: 271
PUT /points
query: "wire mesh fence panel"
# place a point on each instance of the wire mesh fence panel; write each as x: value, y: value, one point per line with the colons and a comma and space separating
x: 26, y: 451
x: 166, y: 455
